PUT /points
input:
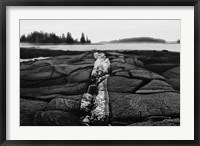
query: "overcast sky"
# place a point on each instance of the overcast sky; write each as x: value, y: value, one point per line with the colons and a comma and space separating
x: 106, y: 30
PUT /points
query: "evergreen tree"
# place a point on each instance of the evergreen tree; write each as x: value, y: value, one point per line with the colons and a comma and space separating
x: 63, y: 38
x: 69, y: 39
x: 82, y: 40
x: 23, y: 38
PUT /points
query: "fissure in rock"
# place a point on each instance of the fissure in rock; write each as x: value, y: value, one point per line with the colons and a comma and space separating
x: 95, y: 103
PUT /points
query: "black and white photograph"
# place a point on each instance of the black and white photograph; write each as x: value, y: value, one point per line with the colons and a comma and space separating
x: 100, y: 72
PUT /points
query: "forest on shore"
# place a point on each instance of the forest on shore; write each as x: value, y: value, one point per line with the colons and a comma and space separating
x: 44, y: 37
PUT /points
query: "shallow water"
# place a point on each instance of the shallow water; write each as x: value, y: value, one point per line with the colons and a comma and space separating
x: 118, y: 46
x: 33, y: 59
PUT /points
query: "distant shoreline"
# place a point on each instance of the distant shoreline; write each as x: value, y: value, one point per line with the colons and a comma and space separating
x: 32, y: 53
x: 43, y: 44
x: 101, y: 43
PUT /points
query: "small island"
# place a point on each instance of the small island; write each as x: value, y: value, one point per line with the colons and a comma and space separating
x: 142, y: 40
x: 139, y: 40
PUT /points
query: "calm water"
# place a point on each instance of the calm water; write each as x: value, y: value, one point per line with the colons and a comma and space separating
x: 129, y: 46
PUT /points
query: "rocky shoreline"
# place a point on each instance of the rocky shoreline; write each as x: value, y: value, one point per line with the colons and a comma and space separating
x: 143, y: 90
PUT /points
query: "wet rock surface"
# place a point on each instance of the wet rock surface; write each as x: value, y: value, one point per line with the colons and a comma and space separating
x: 136, y: 107
x: 123, y: 84
x: 140, y: 94
x: 28, y: 108
x: 165, y: 122
x: 155, y: 86
x: 55, y: 118
x: 63, y: 104
x: 173, y: 77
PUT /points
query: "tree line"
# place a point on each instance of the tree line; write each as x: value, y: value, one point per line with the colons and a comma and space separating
x: 41, y: 37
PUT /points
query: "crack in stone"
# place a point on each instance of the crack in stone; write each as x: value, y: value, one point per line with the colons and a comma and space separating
x: 95, y: 103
